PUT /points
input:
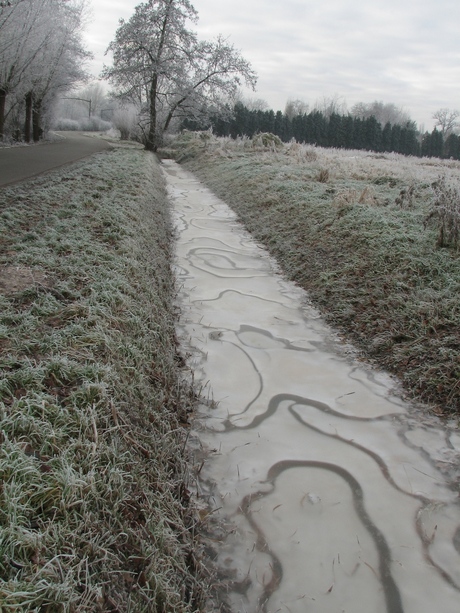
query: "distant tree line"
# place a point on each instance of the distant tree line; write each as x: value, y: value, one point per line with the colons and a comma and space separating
x: 335, y: 130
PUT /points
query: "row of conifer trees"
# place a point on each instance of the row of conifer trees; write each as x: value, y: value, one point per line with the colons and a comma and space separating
x: 341, y: 131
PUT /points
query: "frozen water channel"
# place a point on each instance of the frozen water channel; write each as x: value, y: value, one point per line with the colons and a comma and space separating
x: 329, y: 493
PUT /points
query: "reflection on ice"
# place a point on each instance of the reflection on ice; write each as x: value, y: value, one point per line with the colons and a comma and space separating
x: 327, y: 492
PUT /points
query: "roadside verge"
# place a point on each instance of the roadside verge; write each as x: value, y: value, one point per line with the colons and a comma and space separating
x: 94, y: 506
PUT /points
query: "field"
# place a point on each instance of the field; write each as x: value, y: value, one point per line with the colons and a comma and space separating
x: 373, y: 238
x: 94, y: 506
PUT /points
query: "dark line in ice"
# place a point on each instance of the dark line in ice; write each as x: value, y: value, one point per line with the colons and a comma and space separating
x: 391, y: 590
x: 276, y: 400
x: 263, y: 546
x: 235, y: 291
x: 426, y: 542
x: 225, y: 246
x: 224, y: 220
x: 256, y: 370
x: 219, y: 253
x: 287, y: 344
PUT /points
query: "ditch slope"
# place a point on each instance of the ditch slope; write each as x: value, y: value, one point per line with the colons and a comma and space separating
x: 94, y: 506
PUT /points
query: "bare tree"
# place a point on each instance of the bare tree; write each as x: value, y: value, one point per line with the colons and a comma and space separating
x: 335, y: 105
x: 95, y: 95
x: 295, y: 107
x: 446, y: 119
x: 252, y: 104
x: 383, y: 112
x: 161, y: 65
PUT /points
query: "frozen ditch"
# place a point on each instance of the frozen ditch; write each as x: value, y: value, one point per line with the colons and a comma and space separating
x: 329, y: 495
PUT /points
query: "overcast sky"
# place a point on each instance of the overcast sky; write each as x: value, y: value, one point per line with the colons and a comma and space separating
x: 402, y: 51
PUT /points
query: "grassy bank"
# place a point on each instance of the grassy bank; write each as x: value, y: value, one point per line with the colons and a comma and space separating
x: 94, y: 512
x: 360, y: 232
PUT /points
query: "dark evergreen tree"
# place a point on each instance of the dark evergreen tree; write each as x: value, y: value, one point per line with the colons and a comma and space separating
x: 358, y: 133
x: 239, y: 125
x: 318, y: 135
x: 432, y: 144
x: 452, y: 146
x: 268, y: 122
x: 373, y: 134
x: 335, y: 137
x: 386, y: 137
x: 299, y: 128
x: 348, y: 131
x: 425, y: 148
x: 278, y: 127
x: 409, y: 144
x: 437, y: 144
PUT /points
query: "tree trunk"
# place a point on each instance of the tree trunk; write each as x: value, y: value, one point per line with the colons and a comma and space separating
x: 37, y: 131
x: 28, y: 121
x: 3, y: 93
x: 153, y: 137
x: 151, y: 143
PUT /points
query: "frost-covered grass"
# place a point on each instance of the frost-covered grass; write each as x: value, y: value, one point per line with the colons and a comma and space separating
x: 361, y: 233
x: 94, y: 510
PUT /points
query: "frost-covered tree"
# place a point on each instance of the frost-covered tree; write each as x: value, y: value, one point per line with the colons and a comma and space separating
x: 96, y: 94
x: 41, y: 54
x: 160, y: 65
x: 125, y: 119
x: 59, y: 62
x: 383, y: 112
x: 446, y: 119
x: 335, y: 105
x: 295, y: 107
x: 252, y: 104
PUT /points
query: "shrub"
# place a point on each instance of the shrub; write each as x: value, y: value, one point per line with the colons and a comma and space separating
x: 126, y: 120
x: 89, y: 124
x: 65, y: 124
x: 266, y: 140
x: 445, y: 208
x: 406, y: 198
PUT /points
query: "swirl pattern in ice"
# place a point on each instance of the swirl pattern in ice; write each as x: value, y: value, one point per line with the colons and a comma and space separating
x: 328, y: 492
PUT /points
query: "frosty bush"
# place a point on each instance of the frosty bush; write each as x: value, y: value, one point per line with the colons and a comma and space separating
x: 66, y: 124
x: 266, y: 140
x: 445, y: 208
x: 89, y: 124
x: 126, y: 119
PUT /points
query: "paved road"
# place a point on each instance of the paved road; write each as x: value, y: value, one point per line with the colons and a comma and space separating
x: 19, y: 163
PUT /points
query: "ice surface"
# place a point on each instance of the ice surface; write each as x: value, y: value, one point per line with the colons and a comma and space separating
x: 329, y: 493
